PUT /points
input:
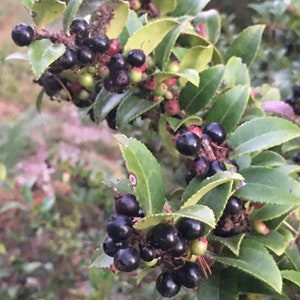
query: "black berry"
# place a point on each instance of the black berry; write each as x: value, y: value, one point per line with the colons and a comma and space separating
x: 99, y: 43
x: 136, y: 57
x: 190, y: 229
x: 50, y: 83
x: 215, y: 167
x: 127, y: 259
x: 168, y: 284
x: 127, y: 205
x: 163, y: 236
x: 121, y: 78
x: 190, y: 275
x: 216, y: 132
x: 296, y: 91
x: 296, y: 157
x: 188, y: 143
x: 22, y: 34
x: 117, y: 62
x: 110, y: 247
x: 111, y: 119
x: 147, y: 253
x: 200, y: 166
x: 234, y: 206
x: 119, y: 227
x: 79, y: 27
x: 85, y: 55
x: 180, y: 248
x: 67, y: 60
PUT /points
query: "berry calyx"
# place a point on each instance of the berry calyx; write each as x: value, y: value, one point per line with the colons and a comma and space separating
x: 168, y: 284
x: 190, y: 274
x: 190, y: 229
x: 234, y: 206
x: 127, y: 205
x: 216, y: 131
x: 136, y: 57
x: 188, y: 143
x: 22, y: 34
x: 119, y: 227
x: 127, y: 259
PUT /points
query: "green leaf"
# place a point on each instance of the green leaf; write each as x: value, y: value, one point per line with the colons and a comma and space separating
x: 236, y: 72
x: 261, y: 133
x: 149, y: 183
x: 197, y: 188
x: 292, y: 276
x: 164, y: 7
x: 3, y: 172
x: 189, y: 7
x: 270, y: 211
x: 116, y: 25
x: 293, y: 255
x: 47, y: 11
x: 102, y: 261
x: 232, y: 243
x: 131, y: 108
x: 133, y: 22
x: 70, y: 13
x: 197, y: 58
x: 28, y: 3
x: 289, y: 169
x: 190, y: 120
x: 193, y: 99
x: 197, y: 212
x: 42, y: 54
x: 39, y: 100
x: 105, y: 102
x: 268, y: 185
x: 149, y: 36
x: 187, y: 75
x: 229, y: 107
x: 17, y: 55
x: 255, y: 260
x: 268, y: 159
x: 246, y: 44
x: 164, y: 49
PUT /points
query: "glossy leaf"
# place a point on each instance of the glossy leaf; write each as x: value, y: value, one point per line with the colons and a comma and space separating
x: 268, y: 159
x: 197, y: 189
x: 141, y: 164
x: 133, y: 22
x: 292, y: 276
x: 197, y: 212
x: 268, y: 185
x: 260, y: 134
x: 189, y: 7
x: 70, y: 13
x: 246, y: 44
x: 164, y: 7
x: 229, y: 107
x: 42, y: 54
x: 255, y: 260
x: 105, y: 102
x: 193, y: 99
x: 116, y: 25
x: 232, y: 243
x: 293, y: 255
x: 47, y: 11
x: 236, y: 72
x: 132, y: 107
x: 149, y: 36
x: 190, y: 120
x: 270, y: 211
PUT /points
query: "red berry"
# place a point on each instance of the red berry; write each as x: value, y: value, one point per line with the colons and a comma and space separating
x: 172, y: 107
x: 114, y: 47
x: 196, y: 129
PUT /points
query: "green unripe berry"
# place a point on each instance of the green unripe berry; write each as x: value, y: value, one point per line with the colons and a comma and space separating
x: 86, y: 80
x: 135, y: 75
x: 84, y: 95
x: 198, y: 247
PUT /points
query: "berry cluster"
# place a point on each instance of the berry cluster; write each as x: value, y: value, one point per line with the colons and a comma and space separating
x: 206, y: 145
x: 294, y: 99
x: 167, y: 246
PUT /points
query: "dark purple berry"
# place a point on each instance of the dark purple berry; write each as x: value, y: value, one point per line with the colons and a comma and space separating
x: 99, y: 43
x: 119, y: 227
x: 111, y: 119
x: 22, y: 34
x: 188, y: 143
x: 296, y: 157
x: 147, y: 253
x: 216, y: 132
x: 85, y: 55
x: 127, y: 259
x: 180, y: 248
x: 190, y: 275
x: 234, y: 206
x: 79, y: 27
x: 296, y: 91
x: 290, y: 99
x: 190, y: 229
x: 117, y: 62
x: 215, y: 167
x: 110, y: 247
x: 68, y: 60
x: 200, y: 166
x: 189, y: 176
x: 168, y: 284
x: 121, y: 78
x: 50, y: 83
x: 126, y: 204
x: 163, y: 236
x: 136, y: 57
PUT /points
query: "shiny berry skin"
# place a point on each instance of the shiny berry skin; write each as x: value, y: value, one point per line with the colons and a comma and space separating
x: 126, y: 204
x: 135, y: 75
x: 117, y: 62
x: 190, y: 275
x: 168, y: 284
x: 136, y: 57
x: 163, y: 236
x: 180, y: 248
x: 114, y: 47
x: 85, y: 55
x: 111, y: 119
x: 216, y: 132
x: 200, y: 166
x: 190, y: 229
x: 79, y: 26
x: 86, y: 80
x: 234, y: 206
x: 147, y: 253
x: 50, y: 84
x: 127, y: 259
x: 68, y: 59
x: 22, y: 34
x: 188, y: 143
x: 110, y: 247
x: 119, y: 227
x: 215, y: 167
x: 99, y: 43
